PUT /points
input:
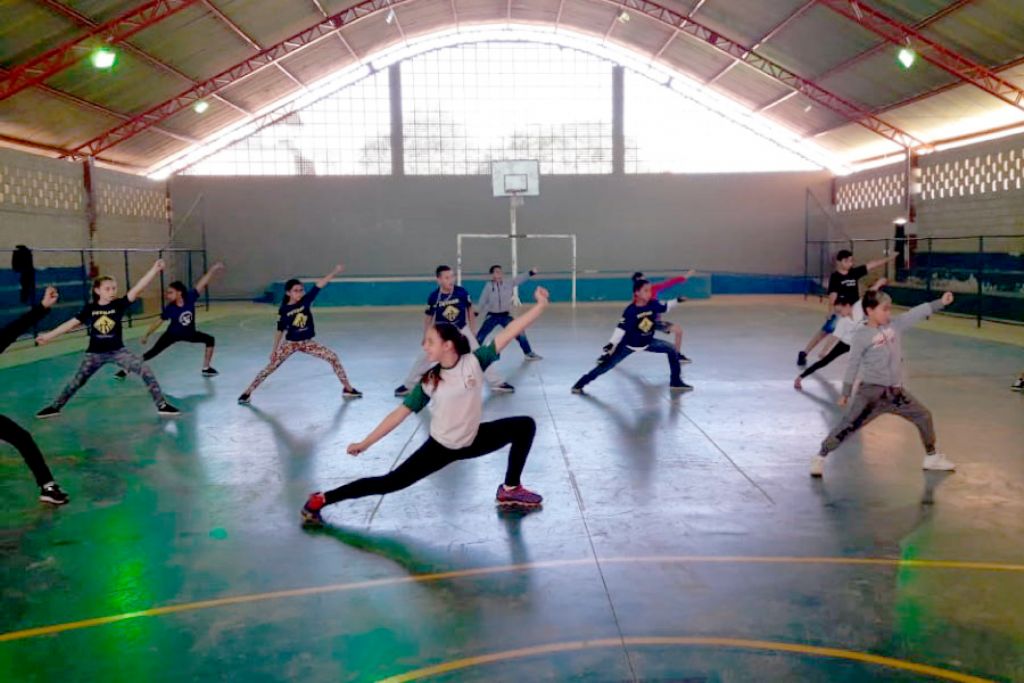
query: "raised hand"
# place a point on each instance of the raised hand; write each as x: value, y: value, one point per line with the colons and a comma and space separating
x: 159, y: 265
x: 542, y: 295
x: 356, y: 448
x: 947, y: 298
x: 50, y: 297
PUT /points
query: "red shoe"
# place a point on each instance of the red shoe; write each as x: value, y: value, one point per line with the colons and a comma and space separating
x: 311, y: 510
x: 518, y: 496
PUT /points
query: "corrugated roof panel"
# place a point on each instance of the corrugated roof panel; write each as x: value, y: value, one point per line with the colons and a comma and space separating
x: 817, y: 41
x: 319, y: 60
x: 853, y: 142
x: 694, y: 57
x: 482, y: 10
x: 260, y: 89
x: 986, y: 31
x: 641, y: 34
x: 130, y: 86
x: 803, y: 115
x: 909, y: 11
x: 956, y: 112
x: 538, y: 11
x: 28, y: 30
x: 144, y: 149
x: 420, y: 17
x: 879, y: 80
x: 33, y: 115
x: 743, y: 21
x: 748, y: 85
x: 202, y: 125
x: 102, y: 11
x: 367, y: 38
x: 270, y: 21
x: 589, y: 17
x: 194, y: 42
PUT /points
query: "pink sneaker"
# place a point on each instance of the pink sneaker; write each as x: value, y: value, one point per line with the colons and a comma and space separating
x: 518, y: 496
x: 311, y: 510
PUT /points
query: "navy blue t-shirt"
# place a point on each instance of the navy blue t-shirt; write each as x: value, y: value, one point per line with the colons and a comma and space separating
x: 104, y: 325
x: 296, y: 320
x: 639, y: 322
x: 183, y: 318
x: 449, y: 308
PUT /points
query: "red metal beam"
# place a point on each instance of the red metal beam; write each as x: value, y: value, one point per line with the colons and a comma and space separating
x: 52, y: 62
x: 851, y: 111
x: 948, y: 60
x: 234, y: 74
x: 860, y: 56
x: 765, y: 38
x: 675, y: 33
x: 59, y: 151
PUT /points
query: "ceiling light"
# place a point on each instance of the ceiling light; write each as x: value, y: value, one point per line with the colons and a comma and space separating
x: 200, y: 106
x: 856, y: 10
x: 103, y: 58
x: 906, y: 57
x: 390, y: 17
x: 807, y: 108
x: 623, y: 17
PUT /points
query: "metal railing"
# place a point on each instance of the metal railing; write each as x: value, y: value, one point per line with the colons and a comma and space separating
x: 986, y: 272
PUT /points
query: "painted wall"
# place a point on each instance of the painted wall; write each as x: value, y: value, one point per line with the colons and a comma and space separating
x: 269, y: 229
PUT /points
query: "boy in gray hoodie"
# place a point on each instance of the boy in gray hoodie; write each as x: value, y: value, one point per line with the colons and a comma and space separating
x: 876, y: 351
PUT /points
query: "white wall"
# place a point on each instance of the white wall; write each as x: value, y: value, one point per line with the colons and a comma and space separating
x: 270, y: 228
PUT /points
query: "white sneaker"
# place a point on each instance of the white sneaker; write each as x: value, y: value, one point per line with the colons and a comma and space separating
x: 817, y: 466
x: 1018, y: 385
x: 938, y: 462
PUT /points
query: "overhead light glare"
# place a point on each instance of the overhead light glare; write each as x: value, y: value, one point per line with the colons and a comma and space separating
x: 103, y: 58
x: 624, y: 17
x: 906, y: 57
x: 200, y: 106
x: 390, y: 17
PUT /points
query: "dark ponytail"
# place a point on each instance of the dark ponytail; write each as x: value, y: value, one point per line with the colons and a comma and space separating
x: 639, y: 281
x: 288, y: 285
x: 448, y: 333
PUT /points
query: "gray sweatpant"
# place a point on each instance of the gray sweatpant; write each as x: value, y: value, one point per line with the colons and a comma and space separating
x: 124, y: 359
x: 423, y: 364
x: 872, y: 400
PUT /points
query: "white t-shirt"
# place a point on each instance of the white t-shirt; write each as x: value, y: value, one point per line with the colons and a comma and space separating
x: 846, y: 326
x: 456, y: 404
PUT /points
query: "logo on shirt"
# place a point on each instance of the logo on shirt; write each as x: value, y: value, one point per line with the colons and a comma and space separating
x: 645, y: 325
x: 883, y: 337
x: 104, y: 325
x: 300, y: 320
x: 450, y: 313
x: 185, y: 319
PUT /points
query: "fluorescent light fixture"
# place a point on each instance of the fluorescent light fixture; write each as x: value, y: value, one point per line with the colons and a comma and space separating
x: 390, y: 17
x: 906, y: 57
x: 103, y: 58
x: 200, y: 106
x: 624, y: 17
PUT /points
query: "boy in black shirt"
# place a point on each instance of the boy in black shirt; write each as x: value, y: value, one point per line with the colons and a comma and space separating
x: 180, y: 310
x: 103, y: 317
x: 49, y: 491
x: 843, y: 288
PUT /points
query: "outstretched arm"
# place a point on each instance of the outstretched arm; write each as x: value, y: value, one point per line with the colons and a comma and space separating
x: 205, y: 279
x: 322, y: 282
x: 878, y: 263
x: 63, y: 328
x: 12, y: 330
x: 921, y: 313
x: 878, y: 284
x: 671, y: 282
x: 144, y: 281
x: 386, y: 426
x: 523, y: 277
x: 519, y: 325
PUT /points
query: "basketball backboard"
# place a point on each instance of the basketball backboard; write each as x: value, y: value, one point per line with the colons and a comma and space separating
x: 519, y: 178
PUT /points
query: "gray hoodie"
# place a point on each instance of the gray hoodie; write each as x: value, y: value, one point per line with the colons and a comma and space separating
x: 877, y: 352
x: 497, y: 297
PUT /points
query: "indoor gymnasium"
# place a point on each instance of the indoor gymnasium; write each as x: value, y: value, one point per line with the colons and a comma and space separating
x: 512, y: 340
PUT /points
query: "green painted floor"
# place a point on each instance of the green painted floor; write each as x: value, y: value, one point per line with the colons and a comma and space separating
x: 681, y: 538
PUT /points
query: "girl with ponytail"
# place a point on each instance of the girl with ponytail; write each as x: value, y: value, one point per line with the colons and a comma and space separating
x: 453, y: 387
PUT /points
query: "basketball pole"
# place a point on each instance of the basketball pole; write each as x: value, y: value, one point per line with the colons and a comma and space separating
x: 514, y: 202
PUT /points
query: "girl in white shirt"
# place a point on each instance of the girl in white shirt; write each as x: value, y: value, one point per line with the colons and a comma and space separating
x: 454, y: 389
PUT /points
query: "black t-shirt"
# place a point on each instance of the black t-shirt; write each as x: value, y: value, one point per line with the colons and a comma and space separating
x: 104, y: 325
x: 845, y: 286
x: 183, y: 318
x: 296, y: 320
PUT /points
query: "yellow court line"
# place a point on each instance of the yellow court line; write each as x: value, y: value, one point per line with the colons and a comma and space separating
x: 503, y: 569
x: 767, y: 645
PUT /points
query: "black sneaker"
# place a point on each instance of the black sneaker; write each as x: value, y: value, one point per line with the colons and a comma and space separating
x: 210, y: 372
x: 504, y: 388
x: 51, y: 493
x: 576, y: 389
x: 120, y: 375
x: 684, y: 359
x: 165, y: 409
x: 680, y: 388
x: 801, y: 359
x: 401, y: 391
x: 48, y: 411
x: 1018, y: 385
x: 243, y: 400
x: 351, y: 392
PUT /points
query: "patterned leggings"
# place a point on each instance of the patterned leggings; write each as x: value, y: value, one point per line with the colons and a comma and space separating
x: 125, y: 359
x: 288, y: 348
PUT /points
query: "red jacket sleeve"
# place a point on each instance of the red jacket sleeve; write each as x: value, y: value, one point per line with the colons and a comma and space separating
x: 665, y: 284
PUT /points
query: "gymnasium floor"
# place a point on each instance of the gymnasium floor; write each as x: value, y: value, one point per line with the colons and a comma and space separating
x: 681, y: 538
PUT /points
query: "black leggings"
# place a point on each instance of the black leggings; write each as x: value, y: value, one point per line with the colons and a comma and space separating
x: 432, y: 456
x: 839, y: 349
x: 26, y: 445
x: 167, y: 339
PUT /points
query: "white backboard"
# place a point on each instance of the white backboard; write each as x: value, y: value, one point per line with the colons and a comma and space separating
x: 515, y: 178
